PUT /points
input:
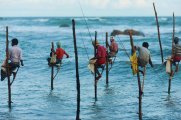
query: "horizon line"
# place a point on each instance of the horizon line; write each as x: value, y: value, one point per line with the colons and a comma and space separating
x: 87, y: 16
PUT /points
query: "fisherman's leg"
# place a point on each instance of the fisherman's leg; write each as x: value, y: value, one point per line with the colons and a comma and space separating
x: 110, y: 61
x: 48, y: 59
x: 3, y: 75
x: 140, y: 64
x: 110, y: 56
x: 98, y: 73
x: 177, y: 67
x: 13, y: 67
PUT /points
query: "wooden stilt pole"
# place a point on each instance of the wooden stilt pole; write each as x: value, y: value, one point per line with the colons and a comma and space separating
x: 7, y: 69
x: 169, y: 84
x: 52, y: 70
x: 95, y: 68
x: 142, y: 87
x: 138, y: 77
x: 173, y: 36
x: 77, y: 72
x: 107, y: 60
x: 161, y: 51
x: 140, y: 97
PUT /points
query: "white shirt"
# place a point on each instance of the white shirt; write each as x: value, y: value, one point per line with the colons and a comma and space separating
x: 144, y: 54
x: 15, y: 54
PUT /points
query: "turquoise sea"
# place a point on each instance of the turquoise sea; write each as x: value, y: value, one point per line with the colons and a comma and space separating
x: 31, y: 94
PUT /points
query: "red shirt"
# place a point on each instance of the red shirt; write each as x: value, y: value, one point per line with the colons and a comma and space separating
x: 60, y: 52
x: 101, y: 55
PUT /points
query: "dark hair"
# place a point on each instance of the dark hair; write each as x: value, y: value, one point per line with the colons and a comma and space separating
x: 14, y: 41
x: 176, y: 40
x: 145, y: 44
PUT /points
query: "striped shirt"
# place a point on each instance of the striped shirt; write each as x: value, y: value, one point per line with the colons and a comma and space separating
x: 177, y: 50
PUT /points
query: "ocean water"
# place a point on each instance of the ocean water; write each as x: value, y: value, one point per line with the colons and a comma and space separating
x: 31, y: 94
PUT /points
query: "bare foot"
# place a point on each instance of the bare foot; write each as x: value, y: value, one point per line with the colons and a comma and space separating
x: 177, y: 68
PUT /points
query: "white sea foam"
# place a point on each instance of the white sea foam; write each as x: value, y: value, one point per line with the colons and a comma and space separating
x: 41, y: 20
x: 163, y: 19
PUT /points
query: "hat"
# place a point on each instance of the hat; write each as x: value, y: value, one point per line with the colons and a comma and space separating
x: 59, y: 44
x: 112, y: 38
x: 176, y: 40
x: 97, y: 43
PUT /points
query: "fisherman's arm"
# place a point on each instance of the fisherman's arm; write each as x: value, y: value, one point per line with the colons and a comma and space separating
x: 21, y: 60
x: 22, y: 64
x: 66, y: 54
x: 150, y: 62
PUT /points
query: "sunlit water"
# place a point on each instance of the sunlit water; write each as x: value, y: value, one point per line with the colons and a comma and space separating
x: 31, y: 94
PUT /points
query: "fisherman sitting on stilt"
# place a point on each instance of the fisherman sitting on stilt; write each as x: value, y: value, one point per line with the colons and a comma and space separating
x: 143, y: 59
x: 60, y: 52
x: 100, y: 59
x: 143, y: 56
x: 57, y: 55
x: 113, y: 47
x: 15, y: 57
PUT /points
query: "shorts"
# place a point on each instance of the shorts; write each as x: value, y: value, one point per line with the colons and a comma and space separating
x: 142, y: 63
x: 177, y: 58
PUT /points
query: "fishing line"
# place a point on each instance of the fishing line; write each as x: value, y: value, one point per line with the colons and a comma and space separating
x: 84, y: 46
x: 85, y: 20
x: 123, y: 47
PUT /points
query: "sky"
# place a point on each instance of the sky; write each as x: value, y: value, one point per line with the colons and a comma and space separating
x: 30, y: 8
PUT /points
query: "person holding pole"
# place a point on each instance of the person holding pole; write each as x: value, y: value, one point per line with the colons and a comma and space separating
x: 15, y: 56
x: 60, y: 53
x: 100, y: 58
x: 113, y: 47
x: 176, y: 56
x: 144, y: 55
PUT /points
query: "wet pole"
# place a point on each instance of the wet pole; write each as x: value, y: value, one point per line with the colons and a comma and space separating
x: 7, y: 69
x: 95, y: 68
x: 52, y: 69
x: 173, y: 36
x: 138, y: 77
x: 158, y: 28
x: 107, y: 60
x: 77, y: 71
x: 169, y: 84
x: 140, y: 97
